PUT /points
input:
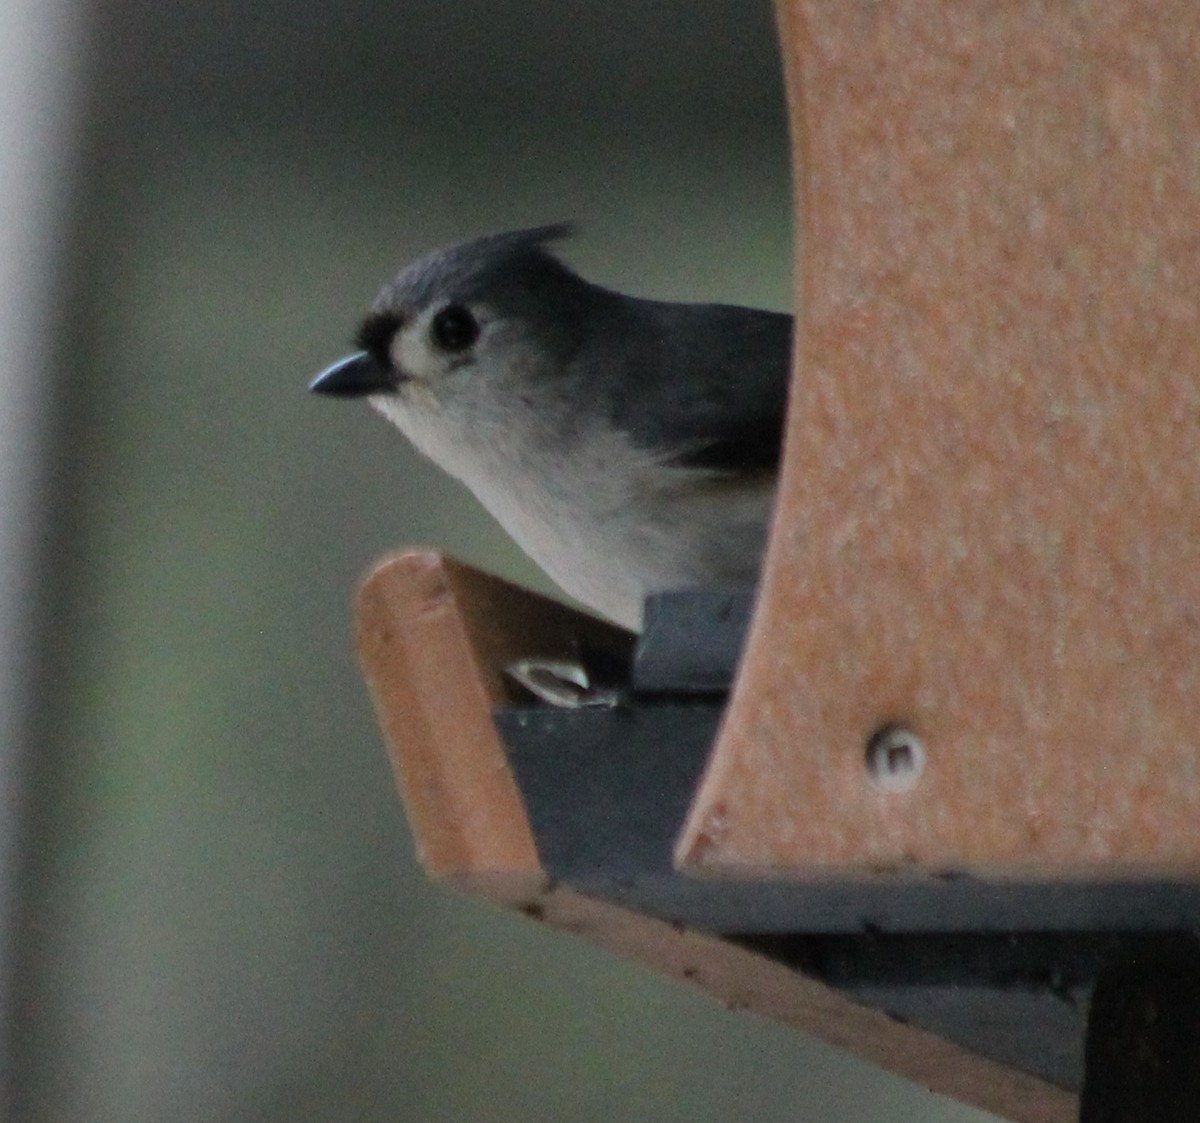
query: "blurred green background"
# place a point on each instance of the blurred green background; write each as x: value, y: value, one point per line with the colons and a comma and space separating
x: 223, y: 915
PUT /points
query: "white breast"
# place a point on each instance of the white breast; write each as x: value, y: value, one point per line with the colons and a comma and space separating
x: 601, y: 517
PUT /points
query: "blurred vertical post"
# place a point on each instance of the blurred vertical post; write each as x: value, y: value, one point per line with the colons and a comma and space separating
x: 38, y: 79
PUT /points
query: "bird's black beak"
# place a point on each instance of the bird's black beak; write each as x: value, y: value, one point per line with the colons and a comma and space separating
x: 354, y: 377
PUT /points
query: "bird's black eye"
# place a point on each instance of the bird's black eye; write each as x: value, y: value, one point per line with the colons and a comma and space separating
x: 454, y: 328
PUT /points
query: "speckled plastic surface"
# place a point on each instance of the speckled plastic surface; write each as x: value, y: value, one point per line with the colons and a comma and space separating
x: 989, y: 529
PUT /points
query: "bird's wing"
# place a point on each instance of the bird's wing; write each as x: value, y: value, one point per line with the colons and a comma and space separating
x: 714, y: 386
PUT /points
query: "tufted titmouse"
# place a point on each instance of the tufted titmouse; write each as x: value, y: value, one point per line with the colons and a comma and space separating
x: 629, y: 446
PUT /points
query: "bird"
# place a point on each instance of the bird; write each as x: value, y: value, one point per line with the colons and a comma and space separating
x: 629, y: 446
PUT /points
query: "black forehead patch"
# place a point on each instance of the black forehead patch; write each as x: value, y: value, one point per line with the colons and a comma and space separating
x: 375, y: 335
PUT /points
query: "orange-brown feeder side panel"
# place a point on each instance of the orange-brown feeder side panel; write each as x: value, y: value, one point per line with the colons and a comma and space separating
x: 989, y: 526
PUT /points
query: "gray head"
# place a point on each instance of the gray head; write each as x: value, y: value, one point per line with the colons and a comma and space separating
x: 473, y: 310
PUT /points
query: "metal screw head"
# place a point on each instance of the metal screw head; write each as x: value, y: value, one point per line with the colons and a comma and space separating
x: 895, y: 759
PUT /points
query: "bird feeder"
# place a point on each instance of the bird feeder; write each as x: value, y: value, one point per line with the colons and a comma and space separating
x: 933, y: 793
